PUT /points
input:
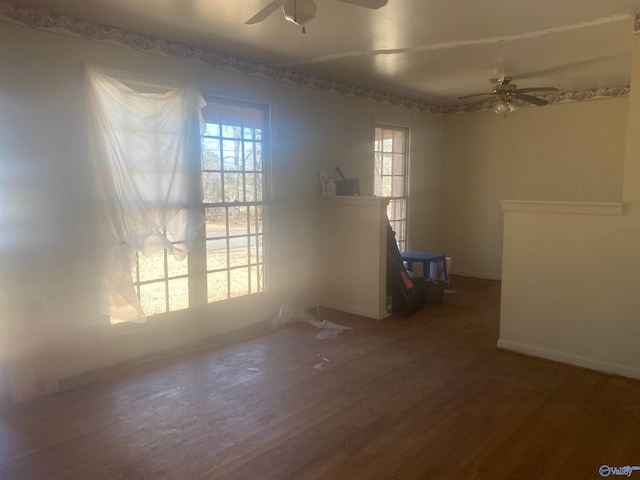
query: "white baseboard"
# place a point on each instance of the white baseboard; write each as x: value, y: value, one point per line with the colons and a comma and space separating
x: 485, y: 276
x: 354, y: 310
x: 81, y: 368
x: 577, y: 360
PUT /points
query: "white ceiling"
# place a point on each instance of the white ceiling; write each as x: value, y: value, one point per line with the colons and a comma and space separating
x: 430, y: 50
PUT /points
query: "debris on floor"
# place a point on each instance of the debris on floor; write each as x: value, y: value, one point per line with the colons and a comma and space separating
x: 289, y: 314
x: 318, y: 366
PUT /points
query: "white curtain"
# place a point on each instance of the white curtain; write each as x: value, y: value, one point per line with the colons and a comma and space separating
x: 147, y: 147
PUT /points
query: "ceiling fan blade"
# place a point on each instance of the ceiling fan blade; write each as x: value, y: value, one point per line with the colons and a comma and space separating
x: 373, y: 4
x: 530, y: 99
x: 265, y: 12
x: 537, y: 89
x: 473, y: 95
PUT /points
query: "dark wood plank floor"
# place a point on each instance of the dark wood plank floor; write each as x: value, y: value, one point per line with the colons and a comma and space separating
x: 424, y: 397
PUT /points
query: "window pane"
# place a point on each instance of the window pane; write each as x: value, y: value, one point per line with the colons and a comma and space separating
x: 230, y: 131
x: 177, y: 267
x: 212, y: 129
x: 239, y: 254
x: 216, y: 286
x: 256, y: 249
x: 178, y: 294
x: 216, y: 254
x: 255, y: 224
x: 233, y: 188
x: 377, y: 177
x: 248, y: 133
x: 250, y: 186
x: 153, y: 298
x: 258, y: 160
x: 398, y: 164
x: 399, y: 209
x: 210, y: 154
x: 239, y: 282
x: 216, y: 222
x: 151, y: 267
x: 257, y: 279
x: 210, y: 160
x: 387, y: 164
x: 238, y: 217
x: 387, y: 140
x: 377, y: 144
x: 258, y: 195
x: 398, y: 141
x: 386, y: 186
x: 249, y: 156
x: 232, y: 154
x: 398, y: 187
x: 400, y: 229
x: 211, y: 187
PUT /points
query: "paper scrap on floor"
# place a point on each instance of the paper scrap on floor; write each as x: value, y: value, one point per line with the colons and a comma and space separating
x: 289, y: 314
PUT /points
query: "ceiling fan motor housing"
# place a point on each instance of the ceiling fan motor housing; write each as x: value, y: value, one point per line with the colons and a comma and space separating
x: 299, y: 11
x: 504, y: 88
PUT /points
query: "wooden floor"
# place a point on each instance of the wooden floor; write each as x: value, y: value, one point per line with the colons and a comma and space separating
x: 425, y: 397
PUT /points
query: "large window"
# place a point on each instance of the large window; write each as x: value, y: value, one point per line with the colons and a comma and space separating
x: 228, y: 260
x: 233, y: 198
x: 391, y: 163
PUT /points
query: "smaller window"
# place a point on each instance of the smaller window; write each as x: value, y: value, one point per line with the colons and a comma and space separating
x: 391, y: 163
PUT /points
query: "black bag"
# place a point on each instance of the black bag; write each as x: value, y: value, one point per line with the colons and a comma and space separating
x: 407, y: 294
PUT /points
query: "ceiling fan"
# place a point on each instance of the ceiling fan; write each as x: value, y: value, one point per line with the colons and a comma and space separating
x: 303, y: 11
x: 507, y: 92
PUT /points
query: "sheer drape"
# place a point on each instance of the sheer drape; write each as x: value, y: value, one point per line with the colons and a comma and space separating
x: 145, y: 144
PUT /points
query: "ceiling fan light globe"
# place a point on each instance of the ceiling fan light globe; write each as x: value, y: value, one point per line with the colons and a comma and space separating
x: 501, y: 107
x: 513, y: 106
x: 299, y: 11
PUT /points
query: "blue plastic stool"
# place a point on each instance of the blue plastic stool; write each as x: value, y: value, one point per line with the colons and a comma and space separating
x: 425, y: 258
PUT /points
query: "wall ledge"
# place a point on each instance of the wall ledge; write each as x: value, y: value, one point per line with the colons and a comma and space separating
x: 577, y: 208
x: 568, y: 358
